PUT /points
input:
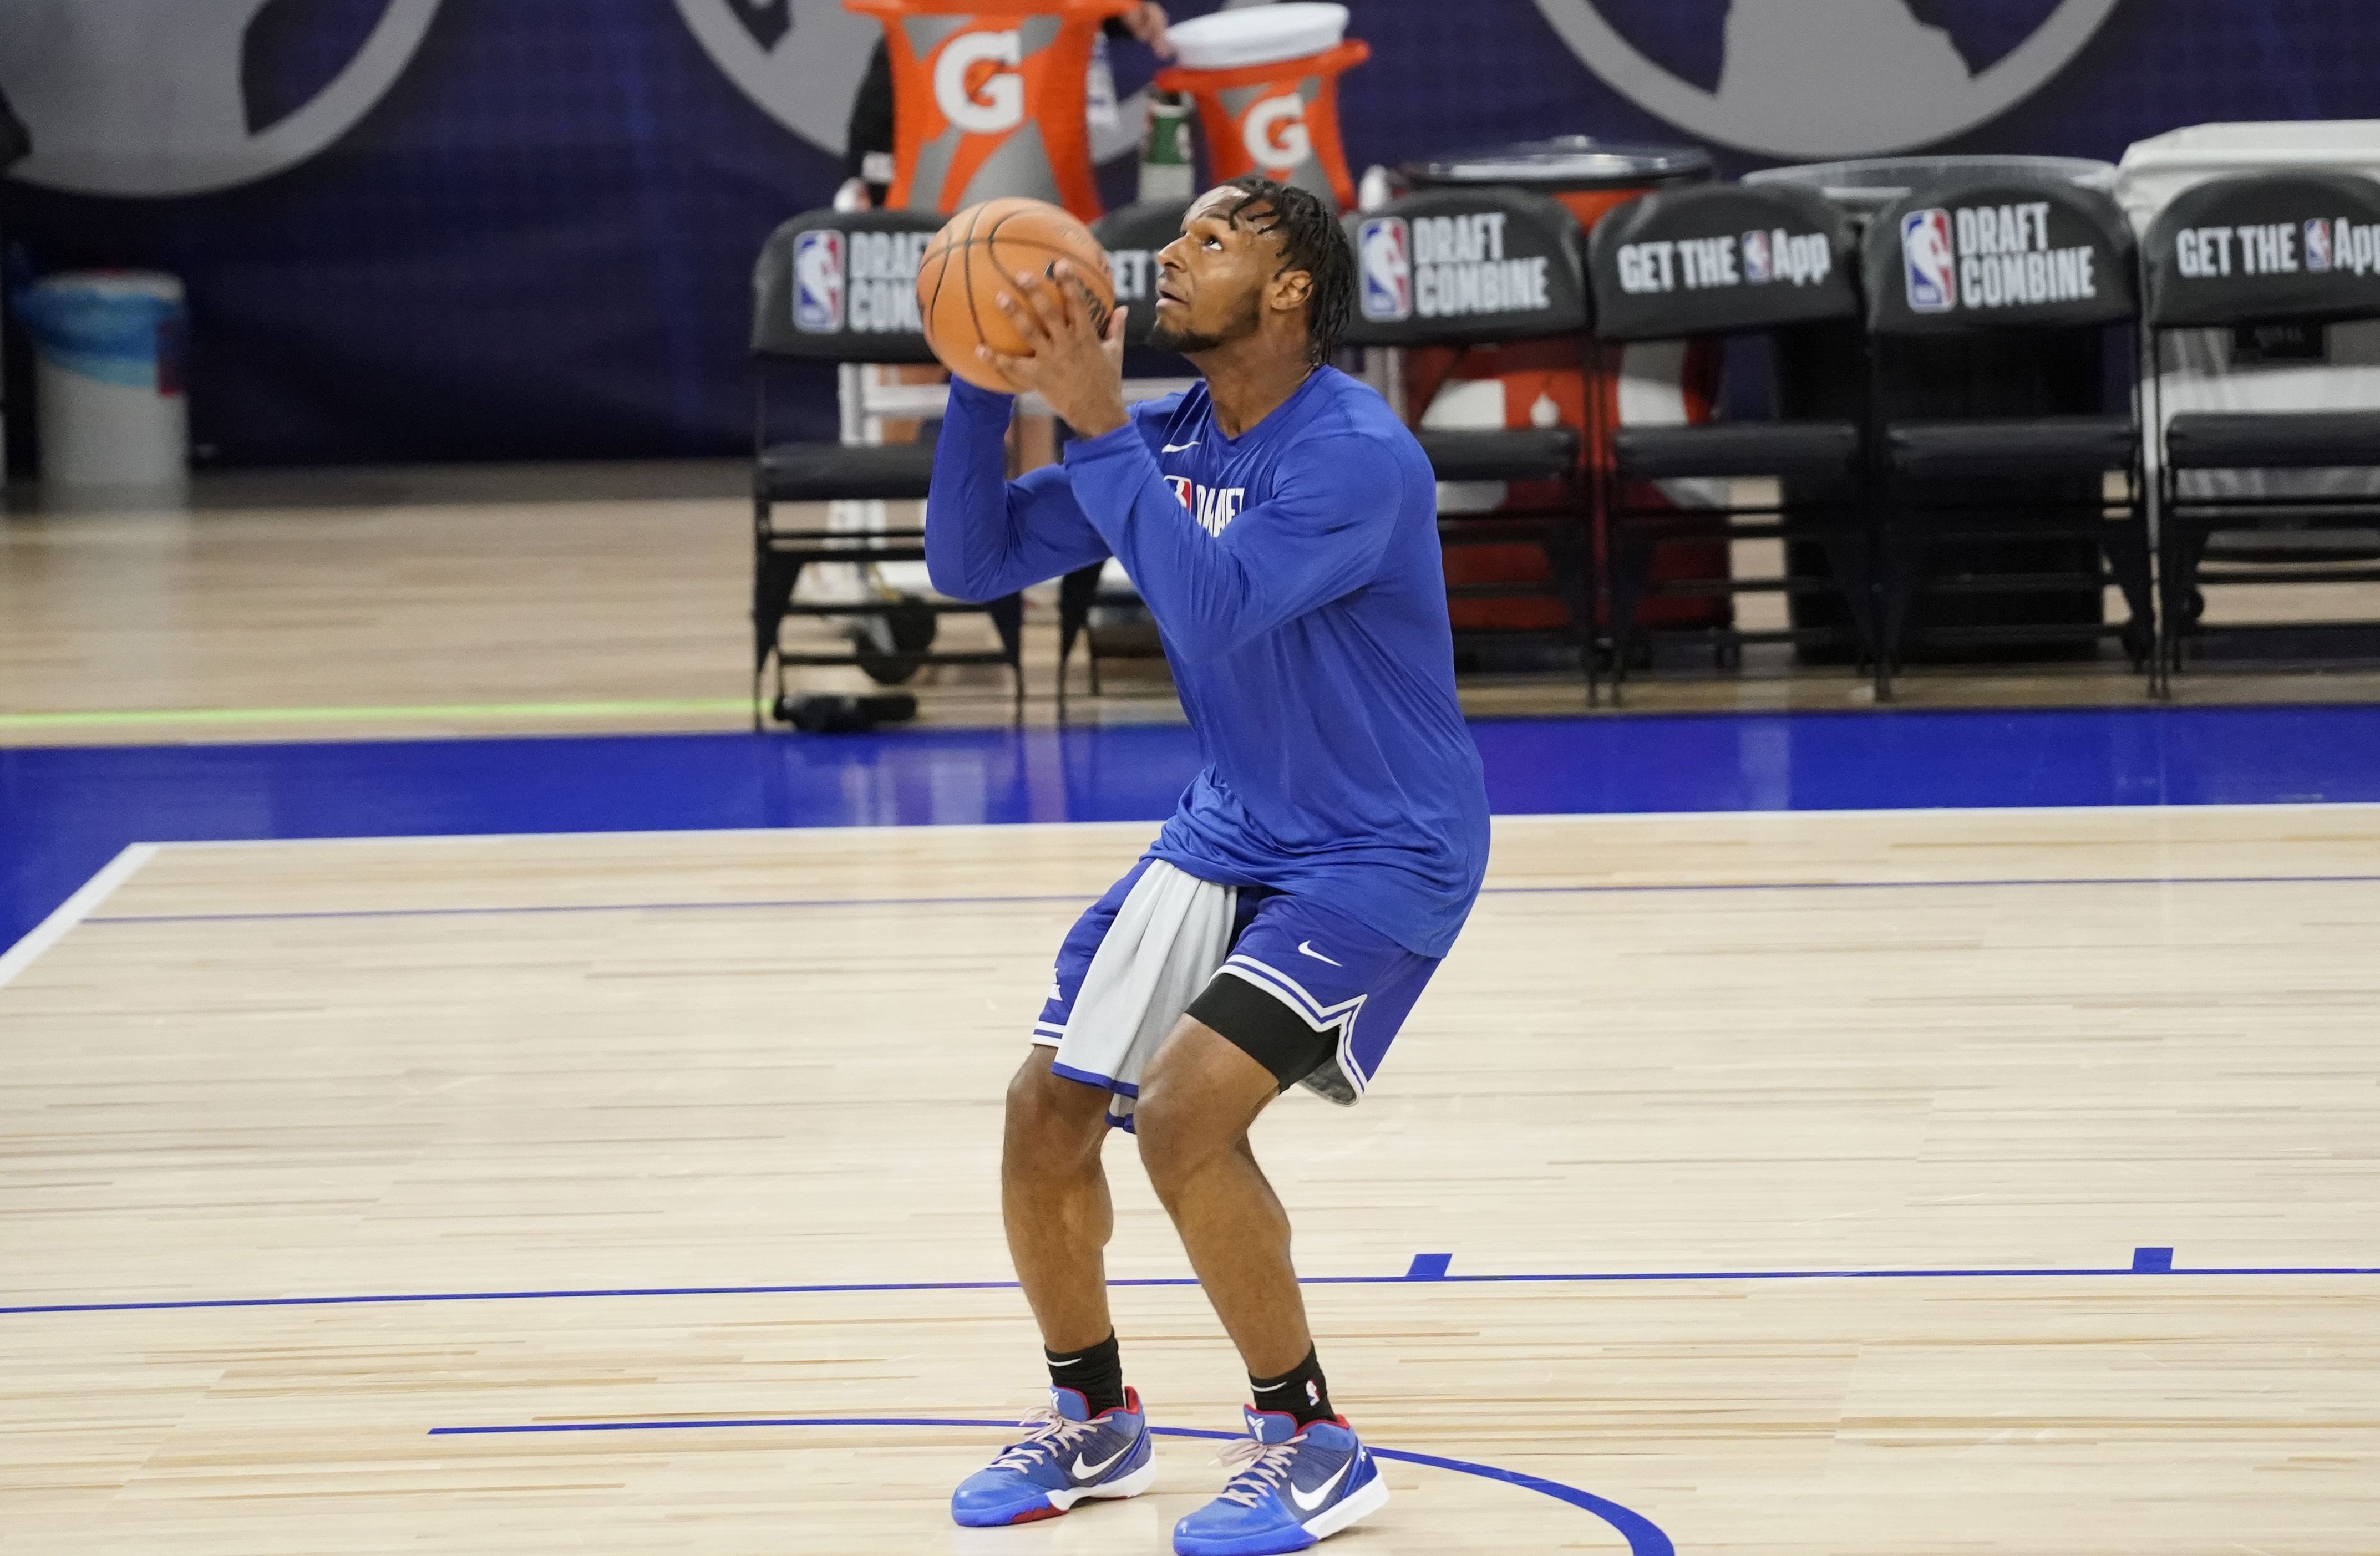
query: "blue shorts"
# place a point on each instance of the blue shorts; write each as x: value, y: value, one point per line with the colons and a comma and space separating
x: 1314, y: 995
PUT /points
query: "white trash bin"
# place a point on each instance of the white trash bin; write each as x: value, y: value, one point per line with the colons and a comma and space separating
x: 107, y: 381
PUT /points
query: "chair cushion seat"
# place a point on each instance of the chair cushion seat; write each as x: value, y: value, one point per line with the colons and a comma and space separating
x: 2272, y: 439
x: 1519, y: 453
x: 1736, y: 448
x: 822, y: 472
x: 2016, y: 446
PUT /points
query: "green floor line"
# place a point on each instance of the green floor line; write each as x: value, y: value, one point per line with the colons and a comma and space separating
x: 356, y: 715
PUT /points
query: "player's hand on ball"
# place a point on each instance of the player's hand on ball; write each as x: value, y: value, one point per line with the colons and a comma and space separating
x: 1073, y: 366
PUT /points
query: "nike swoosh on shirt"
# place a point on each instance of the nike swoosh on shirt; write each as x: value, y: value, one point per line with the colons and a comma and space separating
x: 1177, y: 448
x: 1086, y: 1472
x: 1306, y: 947
x: 1321, y: 1493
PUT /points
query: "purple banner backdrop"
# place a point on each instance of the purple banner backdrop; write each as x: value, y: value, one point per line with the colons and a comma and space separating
x: 436, y: 230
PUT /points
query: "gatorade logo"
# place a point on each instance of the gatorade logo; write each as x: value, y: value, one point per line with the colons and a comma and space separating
x: 980, y: 101
x: 1274, y: 132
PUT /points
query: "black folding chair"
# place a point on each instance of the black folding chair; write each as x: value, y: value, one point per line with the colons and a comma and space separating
x: 2010, y: 510
x: 1475, y: 266
x: 840, y: 287
x: 2244, y: 274
x: 1726, y: 259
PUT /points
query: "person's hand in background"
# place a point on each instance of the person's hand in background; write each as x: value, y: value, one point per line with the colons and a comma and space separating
x: 1147, y: 22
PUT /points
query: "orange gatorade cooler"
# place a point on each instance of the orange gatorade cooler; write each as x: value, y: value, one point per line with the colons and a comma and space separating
x: 988, y: 98
x: 1534, y: 384
x: 1265, y: 80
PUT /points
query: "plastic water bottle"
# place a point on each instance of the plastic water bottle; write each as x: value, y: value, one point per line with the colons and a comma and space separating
x: 1167, y: 171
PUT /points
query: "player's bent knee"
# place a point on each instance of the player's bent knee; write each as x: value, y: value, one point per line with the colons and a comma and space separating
x: 1177, y: 1137
x: 1045, y: 1104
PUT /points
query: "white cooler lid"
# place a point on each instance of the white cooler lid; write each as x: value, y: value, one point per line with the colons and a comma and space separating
x: 1257, y: 35
x: 2155, y: 170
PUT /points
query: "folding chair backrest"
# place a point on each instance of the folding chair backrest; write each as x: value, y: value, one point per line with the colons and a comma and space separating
x: 1454, y: 267
x: 842, y: 286
x: 2265, y: 248
x: 1132, y: 236
x: 1998, y: 253
x: 1718, y: 259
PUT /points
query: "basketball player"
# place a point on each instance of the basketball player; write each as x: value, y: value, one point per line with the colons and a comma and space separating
x: 1281, y: 524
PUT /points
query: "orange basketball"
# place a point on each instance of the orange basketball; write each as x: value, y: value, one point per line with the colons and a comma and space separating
x: 971, y: 261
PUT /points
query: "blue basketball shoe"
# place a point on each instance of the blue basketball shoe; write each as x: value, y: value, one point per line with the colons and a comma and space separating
x: 1069, y: 1455
x: 1291, y: 1487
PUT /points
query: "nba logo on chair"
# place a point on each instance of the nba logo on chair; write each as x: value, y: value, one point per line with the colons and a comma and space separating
x: 1927, y: 260
x: 2317, y: 244
x: 818, y: 283
x: 1386, y: 261
x: 1755, y: 250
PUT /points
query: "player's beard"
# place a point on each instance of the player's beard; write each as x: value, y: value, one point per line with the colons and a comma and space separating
x: 1186, y: 343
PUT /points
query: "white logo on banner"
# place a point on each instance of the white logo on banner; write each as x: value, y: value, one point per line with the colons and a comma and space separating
x: 1831, y: 77
x: 799, y: 61
x: 1274, y: 132
x: 987, y: 106
x: 146, y: 97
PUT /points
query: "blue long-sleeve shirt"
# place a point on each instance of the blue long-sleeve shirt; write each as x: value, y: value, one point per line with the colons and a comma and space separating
x: 1294, y: 576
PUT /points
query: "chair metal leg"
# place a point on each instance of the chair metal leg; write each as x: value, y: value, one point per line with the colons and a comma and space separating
x: 1008, y: 620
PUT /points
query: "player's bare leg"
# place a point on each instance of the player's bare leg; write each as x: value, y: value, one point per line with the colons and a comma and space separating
x: 1092, y: 1444
x: 1197, y: 1098
x: 1053, y: 1196
x: 1302, y: 1474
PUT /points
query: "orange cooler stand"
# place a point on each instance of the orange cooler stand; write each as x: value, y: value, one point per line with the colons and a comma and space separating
x: 1265, y: 80
x: 1543, y: 379
x: 988, y: 99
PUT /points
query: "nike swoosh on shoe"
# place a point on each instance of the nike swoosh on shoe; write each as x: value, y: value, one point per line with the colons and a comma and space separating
x: 1322, y: 1492
x: 1091, y: 1472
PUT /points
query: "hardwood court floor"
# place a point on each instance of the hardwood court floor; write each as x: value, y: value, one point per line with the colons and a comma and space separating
x: 1989, y: 1053
x: 295, y: 605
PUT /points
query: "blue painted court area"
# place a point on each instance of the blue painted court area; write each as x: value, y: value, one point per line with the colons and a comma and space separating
x: 64, y: 811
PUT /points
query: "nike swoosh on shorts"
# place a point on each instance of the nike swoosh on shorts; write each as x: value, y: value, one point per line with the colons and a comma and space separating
x: 1306, y: 947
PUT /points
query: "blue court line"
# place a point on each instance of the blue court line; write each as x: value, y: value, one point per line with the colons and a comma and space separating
x: 1644, y: 1536
x: 789, y: 904
x: 1426, y: 1267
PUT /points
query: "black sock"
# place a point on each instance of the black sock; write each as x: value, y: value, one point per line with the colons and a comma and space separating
x: 1097, y: 1370
x: 1300, y: 1392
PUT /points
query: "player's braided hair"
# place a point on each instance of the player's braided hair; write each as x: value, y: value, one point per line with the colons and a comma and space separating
x: 1313, y: 241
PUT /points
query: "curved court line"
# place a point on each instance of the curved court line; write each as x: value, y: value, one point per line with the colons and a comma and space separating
x: 1431, y: 1275
x: 1631, y: 889
x: 1644, y: 1536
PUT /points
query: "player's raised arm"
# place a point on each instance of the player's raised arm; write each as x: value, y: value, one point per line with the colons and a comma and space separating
x: 986, y: 536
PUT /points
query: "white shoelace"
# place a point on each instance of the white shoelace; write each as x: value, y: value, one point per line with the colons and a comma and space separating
x: 1051, y: 1434
x: 1256, y: 1468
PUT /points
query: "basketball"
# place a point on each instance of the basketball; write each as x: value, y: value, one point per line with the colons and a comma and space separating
x: 976, y: 256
